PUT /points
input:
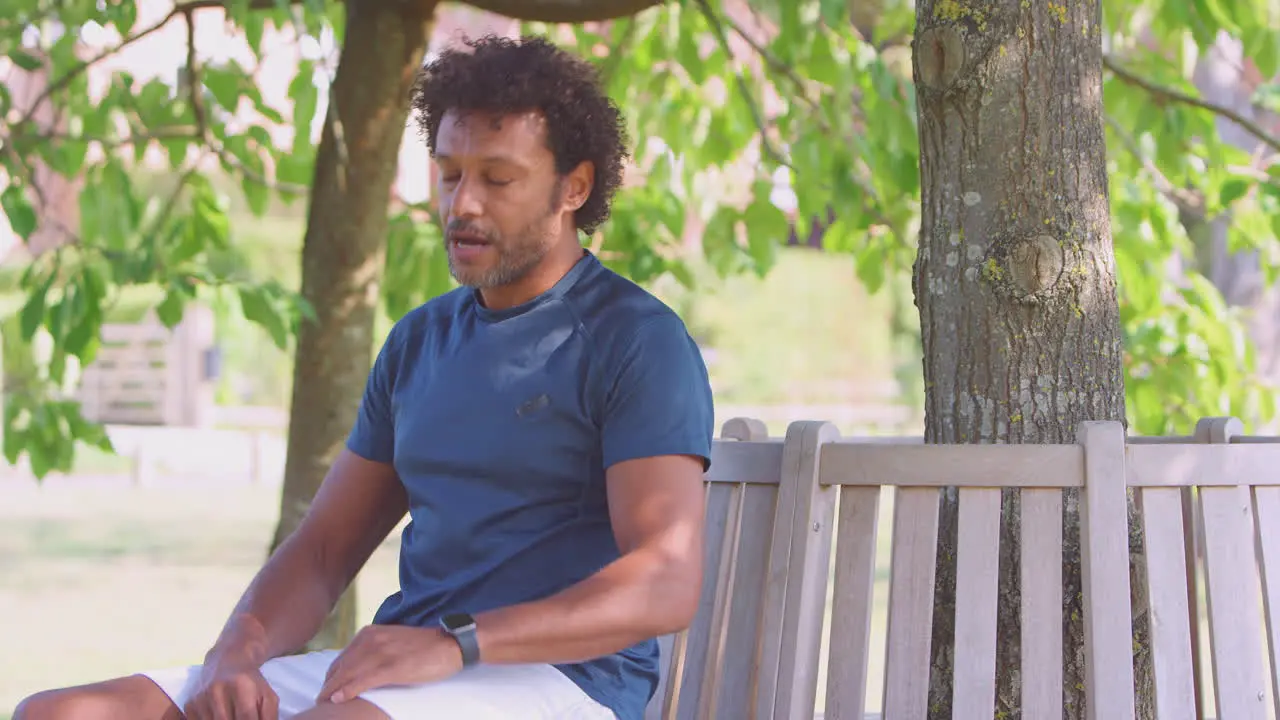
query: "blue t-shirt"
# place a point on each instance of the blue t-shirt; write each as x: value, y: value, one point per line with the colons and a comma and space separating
x: 501, y: 425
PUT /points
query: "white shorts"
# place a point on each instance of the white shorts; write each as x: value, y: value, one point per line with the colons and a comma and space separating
x: 483, y: 692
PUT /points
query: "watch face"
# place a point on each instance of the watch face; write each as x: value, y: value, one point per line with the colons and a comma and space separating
x: 457, y: 621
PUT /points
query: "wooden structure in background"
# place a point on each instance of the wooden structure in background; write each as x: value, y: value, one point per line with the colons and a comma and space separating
x: 147, y: 374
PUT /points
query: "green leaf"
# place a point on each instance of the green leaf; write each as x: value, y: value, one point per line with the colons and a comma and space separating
x: 25, y: 60
x: 82, y: 337
x: 689, y: 57
x: 170, y: 310
x: 254, y: 24
x: 766, y: 225
x: 210, y: 222
x: 822, y: 62
x: 257, y: 195
x: 835, y: 13
x: 871, y: 268
x: 306, y: 98
x: 295, y: 168
x: 22, y: 217
x: 13, y: 439
x: 258, y: 307
x: 226, y: 84
x: 1233, y: 190
x: 33, y: 310
x: 68, y: 157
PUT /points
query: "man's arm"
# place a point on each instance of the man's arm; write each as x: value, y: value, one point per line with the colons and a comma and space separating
x: 356, y: 507
x: 656, y: 506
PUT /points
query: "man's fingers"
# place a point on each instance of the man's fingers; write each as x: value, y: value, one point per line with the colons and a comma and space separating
x: 246, y: 695
x: 335, y: 678
x: 219, y: 701
x: 351, y: 689
x: 352, y: 680
x: 270, y: 705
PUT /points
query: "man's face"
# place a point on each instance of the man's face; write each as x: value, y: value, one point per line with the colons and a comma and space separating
x: 500, y: 196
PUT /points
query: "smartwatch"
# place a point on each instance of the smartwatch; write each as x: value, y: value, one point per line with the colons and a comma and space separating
x: 463, y: 629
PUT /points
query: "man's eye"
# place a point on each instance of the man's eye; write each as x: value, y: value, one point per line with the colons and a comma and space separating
x: 450, y: 179
x: 499, y: 181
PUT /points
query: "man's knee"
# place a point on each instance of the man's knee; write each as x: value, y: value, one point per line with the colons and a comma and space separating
x: 132, y: 697
x: 65, y: 704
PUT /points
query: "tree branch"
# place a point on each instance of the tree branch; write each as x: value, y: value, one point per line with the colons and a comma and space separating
x: 772, y: 61
x: 194, y: 90
x: 182, y: 8
x: 137, y: 138
x: 189, y: 5
x: 563, y: 11
x: 1187, y: 201
x: 757, y: 114
x: 610, y: 64
x: 62, y: 82
x: 1168, y: 93
x: 718, y: 26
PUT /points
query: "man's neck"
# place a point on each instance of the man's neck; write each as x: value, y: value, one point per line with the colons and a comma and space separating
x: 554, y: 266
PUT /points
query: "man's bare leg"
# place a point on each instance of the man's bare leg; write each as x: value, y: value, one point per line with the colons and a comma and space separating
x: 128, y: 698
x: 351, y: 710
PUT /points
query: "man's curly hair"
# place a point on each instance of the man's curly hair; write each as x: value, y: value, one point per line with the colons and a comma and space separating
x: 504, y: 76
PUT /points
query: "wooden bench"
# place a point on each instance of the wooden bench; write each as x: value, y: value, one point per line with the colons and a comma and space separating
x: 794, y: 529
x: 1210, y: 508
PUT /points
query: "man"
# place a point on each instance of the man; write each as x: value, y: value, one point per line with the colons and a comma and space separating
x: 546, y: 427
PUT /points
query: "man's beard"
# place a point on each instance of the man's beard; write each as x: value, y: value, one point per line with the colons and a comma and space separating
x: 516, y: 258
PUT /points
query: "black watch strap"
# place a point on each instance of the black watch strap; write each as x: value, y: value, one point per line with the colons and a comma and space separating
x: 463, y: 629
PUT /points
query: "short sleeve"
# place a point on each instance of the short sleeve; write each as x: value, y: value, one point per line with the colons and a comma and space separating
x: 373, y: 436
x: 659, y: 401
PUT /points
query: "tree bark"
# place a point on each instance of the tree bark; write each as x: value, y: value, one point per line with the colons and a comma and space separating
x: 1015, y: 279
x: 343, y: 251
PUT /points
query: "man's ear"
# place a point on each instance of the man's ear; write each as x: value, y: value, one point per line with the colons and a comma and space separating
x: 577, y: 185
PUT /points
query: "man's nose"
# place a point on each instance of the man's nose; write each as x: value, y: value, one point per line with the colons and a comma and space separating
x: 467, y: 198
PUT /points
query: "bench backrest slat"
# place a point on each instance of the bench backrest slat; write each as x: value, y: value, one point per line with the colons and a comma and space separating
x: 1266, y: 517
x: 1231, y: 590
x: 977, y: 581
x: 1040, y: 567
x: 855, y: 575
x: 747, y: 604
x: 807, y: 565
x: 1172, y: 654
x: 699, y: 660
x: 911, y: 578
x: 1104, y: 574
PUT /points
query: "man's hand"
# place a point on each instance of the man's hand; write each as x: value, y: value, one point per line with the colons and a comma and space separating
x: 381, y: 655
x: 232, y: 690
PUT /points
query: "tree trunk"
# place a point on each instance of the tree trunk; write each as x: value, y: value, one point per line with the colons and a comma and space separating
x: 342, y: 253
x: 1015, y: 278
